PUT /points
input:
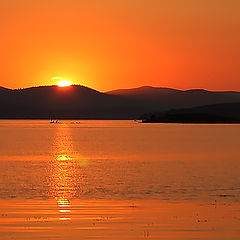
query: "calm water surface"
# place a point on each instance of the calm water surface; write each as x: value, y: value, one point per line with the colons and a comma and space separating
x: 119, y: 180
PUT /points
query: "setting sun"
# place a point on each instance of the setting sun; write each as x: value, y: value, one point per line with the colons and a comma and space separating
x: 64, y: 83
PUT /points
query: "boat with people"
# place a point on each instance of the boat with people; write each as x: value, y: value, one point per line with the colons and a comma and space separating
x: 54, y: 121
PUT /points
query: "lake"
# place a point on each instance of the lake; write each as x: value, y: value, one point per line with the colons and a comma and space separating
x: 119, y: 180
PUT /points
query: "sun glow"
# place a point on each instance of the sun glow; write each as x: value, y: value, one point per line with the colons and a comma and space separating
x: 64, y: 83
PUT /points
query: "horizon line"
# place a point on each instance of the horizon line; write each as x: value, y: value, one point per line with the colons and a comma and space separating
x: 119, y: 89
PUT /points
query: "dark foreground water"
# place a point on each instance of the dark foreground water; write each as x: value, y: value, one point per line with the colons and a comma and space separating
x: 119, y: 180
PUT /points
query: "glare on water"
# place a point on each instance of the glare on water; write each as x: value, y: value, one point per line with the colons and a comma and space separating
x: 63, y: 171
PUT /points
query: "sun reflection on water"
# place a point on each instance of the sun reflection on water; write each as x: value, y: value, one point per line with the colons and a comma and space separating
x: 63, y: 172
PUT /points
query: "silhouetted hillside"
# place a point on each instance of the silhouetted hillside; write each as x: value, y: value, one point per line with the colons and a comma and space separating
x: 56, y: 102
x: 144, y: 91
x: 79, y: 102
x: 216, y: 113
x: 166, y: 98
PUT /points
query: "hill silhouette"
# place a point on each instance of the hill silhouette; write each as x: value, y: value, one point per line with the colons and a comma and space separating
x: 167, y: 98
x: 80, y: 102
x: 215, y: 113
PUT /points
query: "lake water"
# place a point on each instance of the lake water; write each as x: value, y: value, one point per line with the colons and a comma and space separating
x: 119, y: 180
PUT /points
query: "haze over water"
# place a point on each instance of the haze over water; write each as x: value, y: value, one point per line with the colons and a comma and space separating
x: 118, y: 180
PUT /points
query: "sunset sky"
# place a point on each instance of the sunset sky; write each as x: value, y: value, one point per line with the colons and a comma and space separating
x: 110, y: 44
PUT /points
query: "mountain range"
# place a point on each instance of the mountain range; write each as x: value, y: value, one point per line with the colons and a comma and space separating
x: 80, y: 102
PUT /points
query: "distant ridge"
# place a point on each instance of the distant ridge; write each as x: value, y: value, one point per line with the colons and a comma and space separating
x: 80, y: 102
x: 142, y: 90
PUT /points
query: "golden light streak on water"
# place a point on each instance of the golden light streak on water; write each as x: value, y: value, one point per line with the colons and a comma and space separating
x: 63, y: 171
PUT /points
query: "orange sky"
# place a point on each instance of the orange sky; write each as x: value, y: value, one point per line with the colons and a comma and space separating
x: 110, y: 44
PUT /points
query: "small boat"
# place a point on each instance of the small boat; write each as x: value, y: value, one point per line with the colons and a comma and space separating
x: 137, y: 120
x: 52, y: 121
